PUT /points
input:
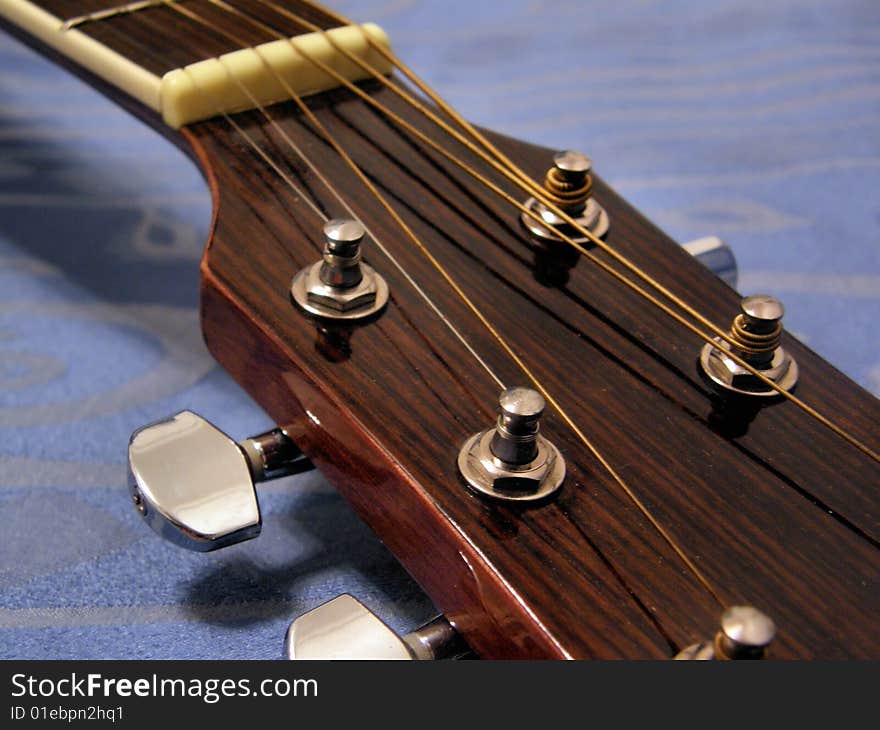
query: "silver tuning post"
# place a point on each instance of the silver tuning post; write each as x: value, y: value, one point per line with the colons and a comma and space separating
x: 512, y: 461
x: 756, y: 334
x: 195, y: 486
x: 344, y: 628
x: 745, y: 633
x: 340, y: 286
x: 568, y: 185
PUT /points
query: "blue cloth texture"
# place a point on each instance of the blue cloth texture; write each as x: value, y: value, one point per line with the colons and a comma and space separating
x: 755, y: 121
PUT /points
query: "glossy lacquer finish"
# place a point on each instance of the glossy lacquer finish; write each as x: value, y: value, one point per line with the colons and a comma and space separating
x: 775, y: 511
x: 773, y: 508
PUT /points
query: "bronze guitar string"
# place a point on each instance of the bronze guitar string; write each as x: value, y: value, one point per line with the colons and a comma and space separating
x: 270, y: 5
x: 452, y: 283
x: 504, y: 166
x: 515, y: 174
x: 145, y: 4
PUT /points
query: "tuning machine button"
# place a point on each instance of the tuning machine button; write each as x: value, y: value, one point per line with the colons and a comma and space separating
x: 745, y: 633
x: 196, y: 487
x: 568, y: 185
x: 344, y: 628
x: 716, y: 256
x: 340, y: 286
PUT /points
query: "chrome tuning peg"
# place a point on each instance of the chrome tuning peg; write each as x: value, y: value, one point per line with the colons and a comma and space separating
x: 568, y: 185
x: 344, y: 628
x: 745, y: 633
x: 340, y: 286
x: 512, y: 461
x: 195, y: 486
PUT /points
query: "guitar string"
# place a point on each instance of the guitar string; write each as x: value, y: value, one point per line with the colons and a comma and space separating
x: 320, y: 213
x: 453, y: 284
x: 516, y: 175
x: 373, y: 237
x: 142, y: 4
x: 508, y: 169
x: 315, y: 170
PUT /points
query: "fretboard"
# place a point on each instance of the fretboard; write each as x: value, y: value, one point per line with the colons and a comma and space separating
x: 165, y: 54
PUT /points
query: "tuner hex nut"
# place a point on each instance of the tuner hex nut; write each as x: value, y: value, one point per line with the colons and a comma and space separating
x: 512, y: 461
x: 568, y: 187
x: 754, y: 337
x: 342, y: 300
x: 488, y: 474
x: 340, y: 285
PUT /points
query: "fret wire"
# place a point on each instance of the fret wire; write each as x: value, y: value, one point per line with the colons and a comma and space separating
x: 537, y: 191
x: 330, y: 187
x: 518, y: 177
x: 172, y: 4
x: 108, y: 13
x: 461, y: 294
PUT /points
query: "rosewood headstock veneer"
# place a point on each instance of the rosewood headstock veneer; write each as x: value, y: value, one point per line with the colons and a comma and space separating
x: 640, y: 479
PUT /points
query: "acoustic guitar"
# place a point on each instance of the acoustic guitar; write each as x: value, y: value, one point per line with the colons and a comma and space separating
x: 575, y: 437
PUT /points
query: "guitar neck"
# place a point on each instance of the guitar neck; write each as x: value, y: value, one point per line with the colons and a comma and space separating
x: 197, y: 66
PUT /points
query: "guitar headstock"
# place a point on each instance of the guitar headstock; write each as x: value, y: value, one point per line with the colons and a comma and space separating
x: 678, y: 499
x: 770, y: 505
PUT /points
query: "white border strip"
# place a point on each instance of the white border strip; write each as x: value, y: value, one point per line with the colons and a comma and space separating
x: 87, y: 52
x: 207, y: 88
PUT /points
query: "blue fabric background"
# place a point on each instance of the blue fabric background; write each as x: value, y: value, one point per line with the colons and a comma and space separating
x: 757, y: 121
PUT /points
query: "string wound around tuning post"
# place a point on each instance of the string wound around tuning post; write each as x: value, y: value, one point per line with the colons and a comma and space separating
x: 756, y: 335
x: 568, y: 186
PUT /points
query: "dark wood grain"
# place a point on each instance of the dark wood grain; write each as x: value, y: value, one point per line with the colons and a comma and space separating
x: 161, y: 39
x: 748, y: 510
x: 774, y: 508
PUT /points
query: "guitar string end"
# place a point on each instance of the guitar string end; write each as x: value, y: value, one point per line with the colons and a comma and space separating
x: 569, y: 186
x: 756, y: 333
